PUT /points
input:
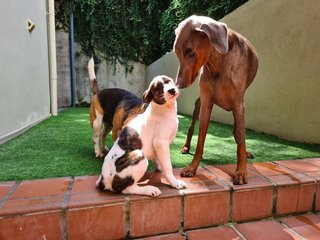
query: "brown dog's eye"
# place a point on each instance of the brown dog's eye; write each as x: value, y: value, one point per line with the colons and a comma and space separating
x: 189, y: 53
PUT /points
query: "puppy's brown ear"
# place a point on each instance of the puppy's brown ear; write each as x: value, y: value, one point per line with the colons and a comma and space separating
x: 217, y: 33
x: 147, y: 96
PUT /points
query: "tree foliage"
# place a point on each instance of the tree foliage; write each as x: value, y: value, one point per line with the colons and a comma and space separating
x: 132, y: 30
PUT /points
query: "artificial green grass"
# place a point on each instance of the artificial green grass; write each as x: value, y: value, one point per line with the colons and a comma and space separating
x: 62, y: 146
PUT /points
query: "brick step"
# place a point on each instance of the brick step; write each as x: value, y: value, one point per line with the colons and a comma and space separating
x: 298, y: 227
x: 72, y: 208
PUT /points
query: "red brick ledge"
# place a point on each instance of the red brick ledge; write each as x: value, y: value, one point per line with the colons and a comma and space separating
x: 72, y: 208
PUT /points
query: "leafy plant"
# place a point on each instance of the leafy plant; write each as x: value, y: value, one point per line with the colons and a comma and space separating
x: 136, y: 30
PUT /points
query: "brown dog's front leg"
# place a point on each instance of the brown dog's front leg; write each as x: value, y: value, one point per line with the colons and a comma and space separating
x: 239, y: 135
x: 186, y: 147
x: 205, y: 113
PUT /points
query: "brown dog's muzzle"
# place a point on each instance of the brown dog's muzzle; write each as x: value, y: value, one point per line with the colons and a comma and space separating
x: 179, y: 83
x: 185, y: 77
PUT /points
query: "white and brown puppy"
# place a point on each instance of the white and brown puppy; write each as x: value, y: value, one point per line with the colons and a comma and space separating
x: 146, y: 137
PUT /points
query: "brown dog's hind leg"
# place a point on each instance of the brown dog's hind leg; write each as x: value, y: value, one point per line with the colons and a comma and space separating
x: 205, y: 113
x: 186, y: 147
x: 104, y: 135
x: 97, y: 123
x: 239, y: 135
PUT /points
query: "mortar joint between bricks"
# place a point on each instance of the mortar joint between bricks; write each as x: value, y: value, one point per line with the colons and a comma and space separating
x: 66, y: 199
x: 127, y: 217
x: 12, y: 190
x: 231, y: 190
x: 181, y: 193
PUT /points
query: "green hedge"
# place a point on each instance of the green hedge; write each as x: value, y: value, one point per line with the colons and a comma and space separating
x: 136, y: 30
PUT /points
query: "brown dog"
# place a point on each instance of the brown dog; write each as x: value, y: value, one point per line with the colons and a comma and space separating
x: 110, y: 107
x: 229, y: 65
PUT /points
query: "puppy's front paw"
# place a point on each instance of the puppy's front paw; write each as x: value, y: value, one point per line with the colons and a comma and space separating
x: 180, y: 184
x: 153, y: 191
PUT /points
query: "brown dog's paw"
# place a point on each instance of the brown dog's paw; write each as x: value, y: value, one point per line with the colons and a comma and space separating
x: 105, y: 151
x: 184, y: 150
x: 99, y: 154
x: 250, y: 155
x: 240, y: 178
x: 188, y: 172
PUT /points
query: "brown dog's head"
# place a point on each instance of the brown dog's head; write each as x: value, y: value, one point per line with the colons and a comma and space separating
x: 196, y: 39
x: 161, y: 90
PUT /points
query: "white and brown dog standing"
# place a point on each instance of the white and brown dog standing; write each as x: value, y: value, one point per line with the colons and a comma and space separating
x: 146, y: 137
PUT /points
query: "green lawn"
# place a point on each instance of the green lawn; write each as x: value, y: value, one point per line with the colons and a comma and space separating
x: 62, y: 146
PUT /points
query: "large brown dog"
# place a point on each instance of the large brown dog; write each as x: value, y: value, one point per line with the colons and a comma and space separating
x: 110, y: 108
x: 229, y: 65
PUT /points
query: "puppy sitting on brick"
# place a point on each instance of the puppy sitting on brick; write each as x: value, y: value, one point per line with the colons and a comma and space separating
x: 146, y: 137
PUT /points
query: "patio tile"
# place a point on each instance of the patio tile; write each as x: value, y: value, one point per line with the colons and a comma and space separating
x: 154, y: 216
x: 202, y: 177
x: 295, y: 198
x: 221, y: 233
x: 265, y: 230
x: 302, y: 166
x: 317, y: 201
x: 202, y: 210
x: 41, y: 188
x: 85, y: 193
x: 292, y: 185
x: 249, y: 201
x: 314, y: 175
x: 37, y: 195
x: 205, y: 203
x: 107, y: 222
x: 268, y: 169
x: 252, y: 204
x: 226, y: 172
x: 278, y: 174
x: 172, y: 236
x: 307, y: 225
x: 5, y: 188
x: 36, y: 226
x: 31, y: 205
x: 204, y: 182
x: 315, y: 161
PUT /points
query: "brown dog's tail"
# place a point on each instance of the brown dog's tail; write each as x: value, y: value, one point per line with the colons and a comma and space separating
x: 92, y: 77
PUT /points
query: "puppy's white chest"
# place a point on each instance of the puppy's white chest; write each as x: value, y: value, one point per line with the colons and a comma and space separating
x: 155, y: 132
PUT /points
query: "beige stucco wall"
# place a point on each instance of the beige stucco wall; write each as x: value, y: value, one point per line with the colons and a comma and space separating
x: 284, y: 99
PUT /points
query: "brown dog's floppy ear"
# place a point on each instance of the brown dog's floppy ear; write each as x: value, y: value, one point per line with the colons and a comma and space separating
x: 147, y: 96
x: 217, y: 33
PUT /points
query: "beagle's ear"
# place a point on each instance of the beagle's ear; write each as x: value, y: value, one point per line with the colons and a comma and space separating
x: 217, y: 33
x: 147, y: 96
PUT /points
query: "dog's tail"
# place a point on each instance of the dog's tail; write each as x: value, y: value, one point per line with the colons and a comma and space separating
x: 92, y: 77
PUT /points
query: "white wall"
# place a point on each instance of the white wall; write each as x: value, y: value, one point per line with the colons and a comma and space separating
x: 24, y: 73
x: 284, y: 98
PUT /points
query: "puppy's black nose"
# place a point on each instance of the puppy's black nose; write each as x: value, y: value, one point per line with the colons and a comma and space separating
x: 172, y: 91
